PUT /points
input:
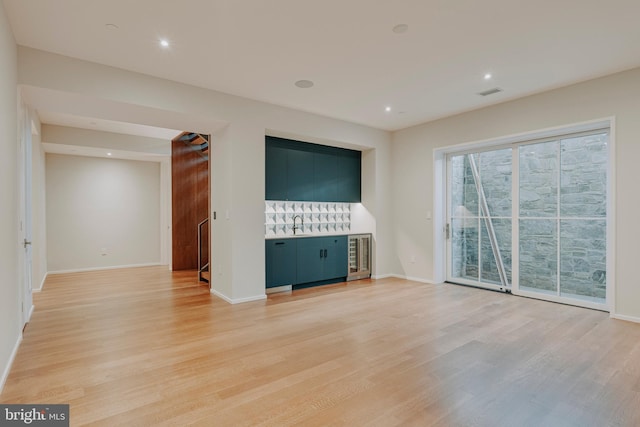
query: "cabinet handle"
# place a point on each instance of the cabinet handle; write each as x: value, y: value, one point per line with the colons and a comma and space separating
x: 320, y: 253
x: 325, y: 253
x: 279, y: 243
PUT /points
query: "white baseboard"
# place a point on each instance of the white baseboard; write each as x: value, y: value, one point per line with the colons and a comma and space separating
x: 41, y: 284
x: 238, y: 300
x: 402, y: 276
x: 421, y: 280
x: 249, y: 299
x: 221, y: 296
x: 7, y: 369
x: 623, y: 317
x: 112, y: 267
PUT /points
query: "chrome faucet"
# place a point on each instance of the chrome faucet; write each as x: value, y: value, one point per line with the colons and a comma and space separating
x: 295, y: 227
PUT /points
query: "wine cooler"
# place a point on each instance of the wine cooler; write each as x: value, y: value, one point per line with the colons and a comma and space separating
x: 359, y: 256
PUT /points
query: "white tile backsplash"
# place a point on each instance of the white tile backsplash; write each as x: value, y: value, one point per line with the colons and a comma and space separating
x: 319, y: 217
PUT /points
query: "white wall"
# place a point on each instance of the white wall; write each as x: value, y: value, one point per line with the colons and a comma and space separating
x: 10, y: 324
x: 95, y: 203
x: 238, y: 271
x: 412, y: 162
x: 220, y: 172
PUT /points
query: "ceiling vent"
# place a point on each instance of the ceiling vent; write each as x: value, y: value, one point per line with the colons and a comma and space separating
x: 490, y: 91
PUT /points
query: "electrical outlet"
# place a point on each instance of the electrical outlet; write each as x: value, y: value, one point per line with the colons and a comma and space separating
x: 103, y: 251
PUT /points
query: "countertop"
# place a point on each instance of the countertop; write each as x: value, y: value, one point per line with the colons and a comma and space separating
x: 298, y: 236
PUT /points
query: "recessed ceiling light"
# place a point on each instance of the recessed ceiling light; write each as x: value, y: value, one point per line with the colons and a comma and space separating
x: 400, y: 28
x: 111, y: 26
x: 164, y: 43
x: 108, y: 154
x: 488, y: 76
x: 304, y: 84
x: 387, y: 109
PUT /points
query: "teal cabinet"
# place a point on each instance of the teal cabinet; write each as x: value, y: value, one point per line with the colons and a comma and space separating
x: 349, y: 178
x: 309, y: 172
x: 321, y: 259
x: 280, y: 257
x: 276, y: 172
x: 310, y: 260
x: 306, y: 260
x: 300, y: 178
x: 325, y: 177
x: 336, y: 255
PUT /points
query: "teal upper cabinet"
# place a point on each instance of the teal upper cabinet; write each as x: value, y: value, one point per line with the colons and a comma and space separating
x: 300, y: 182
x: 325, y: 177
x: 349, y: 177
x: 309, y: 172
x: 276, y: 172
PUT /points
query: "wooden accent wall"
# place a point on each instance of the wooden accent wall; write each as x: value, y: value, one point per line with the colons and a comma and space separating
x: 190, y: 202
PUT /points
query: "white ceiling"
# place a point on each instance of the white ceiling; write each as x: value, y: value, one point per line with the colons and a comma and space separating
x: 258, y: 49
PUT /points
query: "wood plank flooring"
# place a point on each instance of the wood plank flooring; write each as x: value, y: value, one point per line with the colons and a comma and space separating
x: 145, y: 346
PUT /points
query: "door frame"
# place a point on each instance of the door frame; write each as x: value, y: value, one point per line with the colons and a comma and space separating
x: 440, y: 194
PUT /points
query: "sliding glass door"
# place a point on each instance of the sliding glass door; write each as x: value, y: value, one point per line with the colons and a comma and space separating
x: 480, y: 212
x: 531, y: 218
x: 563, y: 217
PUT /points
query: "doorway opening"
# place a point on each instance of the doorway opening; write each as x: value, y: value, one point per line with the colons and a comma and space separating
x: 190, y: 203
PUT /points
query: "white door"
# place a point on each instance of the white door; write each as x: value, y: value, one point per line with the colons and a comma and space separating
x: 24, y: 165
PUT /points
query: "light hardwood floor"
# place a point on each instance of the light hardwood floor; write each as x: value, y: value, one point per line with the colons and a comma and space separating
x: 149, y: 347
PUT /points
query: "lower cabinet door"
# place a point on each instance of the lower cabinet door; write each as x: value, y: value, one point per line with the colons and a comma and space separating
x: 280, y: 262
x: 336, y: 261
x: 310, y: 266
x: 322, y: 258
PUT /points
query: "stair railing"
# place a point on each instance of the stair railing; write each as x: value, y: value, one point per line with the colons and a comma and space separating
x: 203, y: 264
